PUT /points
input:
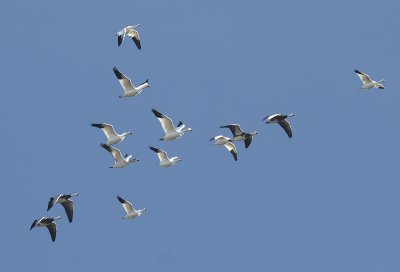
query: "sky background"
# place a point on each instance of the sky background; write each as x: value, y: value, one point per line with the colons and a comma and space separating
x: 325, y: 200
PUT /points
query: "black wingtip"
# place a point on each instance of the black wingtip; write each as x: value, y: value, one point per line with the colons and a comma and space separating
x: 156, y: 113
x: 97, y: 125
x: 117, y: 73
x: 120, y: 199
x: 357, y: 71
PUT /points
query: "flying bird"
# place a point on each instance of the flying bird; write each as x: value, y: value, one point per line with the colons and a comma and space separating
x: 119, y: 160
x: 163, y: 157
x: 129, y: 31
x: 130, y: 211
x: 239, y: 135
x: 227, y: 142
x: 171, y: 132
x: 112, y: 136
x: 126, y: 83
x: 49, y: 223
x: 367, y: 82
x: 65, y: 201
x: 281, y: 120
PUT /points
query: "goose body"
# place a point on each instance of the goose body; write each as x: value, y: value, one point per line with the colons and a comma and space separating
x: 227, y: 142
x: 240, y: 135
x: 367, y: 82
x: 280, y: 119
x: 126, y: 83
x: 130, y: 211
x: 49, y: 223
x: 65, y: 201
x: 171, y: 132
x: 112, y: 136
x: 131, y: 32
x: 120, y: 161
x: 165, y: 161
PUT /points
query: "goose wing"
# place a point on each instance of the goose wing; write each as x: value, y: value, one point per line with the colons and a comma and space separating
x: 286, y: 126
x: 247, y: 141
x: 115, y: 152
x: 165, y: 121
x: 69, y: 209
x: 107, y: 129
x: 231, y: 148
x: 125, y: 82
x: 365, y: 79
x: 134, y: 34
x: 51, y: 203
x: 162, y: 155
x: 120, y: 39
x: 235, y: 129
x: 34, y: 224
x: 126, y: 204
x: 53, y: 230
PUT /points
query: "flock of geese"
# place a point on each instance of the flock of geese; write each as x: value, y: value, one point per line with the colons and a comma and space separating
x: 171, y: 133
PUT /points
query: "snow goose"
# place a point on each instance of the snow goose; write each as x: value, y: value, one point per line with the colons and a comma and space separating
x: 119, y: 160
x: 239, y: 135
x: 227, y: 142
x: 367, y: 82
x: 130, y: 211
x: 63, y: 199
x: 171, y: 132
x: 163, y: 157
x: 49, y: 223
x: 112, y: 136
x: 126, y: 83
x: 281, y: 120
x: 131, y: 32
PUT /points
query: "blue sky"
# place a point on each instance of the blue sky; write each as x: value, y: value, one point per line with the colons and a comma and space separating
x: 325, y: 200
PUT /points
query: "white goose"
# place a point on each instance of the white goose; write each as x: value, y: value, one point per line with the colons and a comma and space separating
x: 239, y: 135
x: 171, y: 132
x: 367, y: 82
x: 163, y: 157
x: 126, y: 83
x: 65, y: 201
x: 47, y: 222
x: 131, y: 32
x: 227, y: 142
x: 119, y: 160
x: 112, y: 136
x: 130, y: 211
x: 281, y: 120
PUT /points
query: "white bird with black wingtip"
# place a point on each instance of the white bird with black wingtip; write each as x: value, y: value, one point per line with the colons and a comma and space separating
x: 112, y: 136
x: 367, y: 82
x: 64, y: 200
x: 171, y: 132
x: 227, y: 142
x: 165, y: 161
x: 280, y: 119
x: 130, y: 211
x: 126, y: 83
x: 120, y: 161
x: 129, y: 31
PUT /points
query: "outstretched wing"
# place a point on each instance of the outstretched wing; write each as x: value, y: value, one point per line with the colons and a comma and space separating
x: 107, y: 129
x: 286, y: 126
x: 232, y: 148
x: 165, y: 121
x: 69, y: 209
x: 162, y: 155
x: 125, y: 204
x: 134, y: 34
x: 247, y: 141
x: 53, y: 230
x: 235, y: 129
x: 125, y: 82
x: 115, y: 152
x: 363, y: 77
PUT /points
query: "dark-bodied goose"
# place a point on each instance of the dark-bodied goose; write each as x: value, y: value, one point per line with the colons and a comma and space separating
x: 163, y: 157
x: 119, y: 160
x: 281, y: 120
x: 65, y: 201
x: 130, y: 31
x: 112, y: 136
x: 49, y: 223
x: 227, y: 142
x: 130, y: 211
x: 239, y: 135
x: 126, y: 83
x: 171, y: 132
x: 367, y: 82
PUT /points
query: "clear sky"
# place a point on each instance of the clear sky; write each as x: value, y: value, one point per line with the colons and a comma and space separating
x: 325, y: 200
